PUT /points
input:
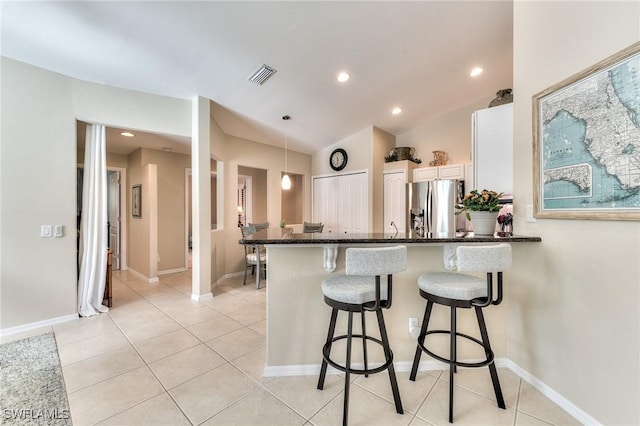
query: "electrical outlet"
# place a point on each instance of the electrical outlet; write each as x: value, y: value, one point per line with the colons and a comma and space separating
x: 414, y: 330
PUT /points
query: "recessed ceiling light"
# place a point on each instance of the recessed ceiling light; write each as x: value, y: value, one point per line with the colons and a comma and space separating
x: 396, y: 111
x: 343, y: 76
x: 127, y: 134
x: 476, y: 72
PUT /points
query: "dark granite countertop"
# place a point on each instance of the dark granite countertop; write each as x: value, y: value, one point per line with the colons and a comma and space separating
x: 287, y: 236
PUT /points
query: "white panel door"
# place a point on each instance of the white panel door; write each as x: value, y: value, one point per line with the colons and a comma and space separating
x: 114, y: 217
x: 395, y: 190
x: 341, y: 203
x: 325, y: 203
x: 353, y: 204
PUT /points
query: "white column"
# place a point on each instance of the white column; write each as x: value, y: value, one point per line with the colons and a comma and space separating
x: 201, y: 199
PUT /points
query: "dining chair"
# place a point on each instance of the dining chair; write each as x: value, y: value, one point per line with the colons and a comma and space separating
x: 312, y: 227
x: 253, y: 256
x: 260, y: 226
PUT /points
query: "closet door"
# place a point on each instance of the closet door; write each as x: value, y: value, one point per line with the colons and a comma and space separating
x: 325, y: 203
x: 342, y: 203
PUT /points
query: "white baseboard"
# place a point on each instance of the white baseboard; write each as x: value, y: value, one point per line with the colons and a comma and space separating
x: 38, y: 324
x: 202, y: 297
x: 143, y: 276
x: 172, y: 271
x: 554, y: 396
x: 405, y: 366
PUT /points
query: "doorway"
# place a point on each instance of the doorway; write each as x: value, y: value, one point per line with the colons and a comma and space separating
x: 114, y: 215
x: 252, y: 195
x: 116, y: 227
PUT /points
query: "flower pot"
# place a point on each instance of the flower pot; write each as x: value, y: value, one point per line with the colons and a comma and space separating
x: 483, y: 223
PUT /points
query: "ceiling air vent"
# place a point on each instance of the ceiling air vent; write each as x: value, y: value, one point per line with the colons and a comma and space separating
x: 262, y: 75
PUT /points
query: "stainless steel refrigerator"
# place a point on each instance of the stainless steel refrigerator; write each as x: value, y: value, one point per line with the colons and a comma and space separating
x: 431, y: 208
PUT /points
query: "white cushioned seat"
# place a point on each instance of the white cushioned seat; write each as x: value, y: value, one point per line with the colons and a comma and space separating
x: 353, y: 289
x: 252, y: 257
x: 453, y: 285
x: 363, y: 264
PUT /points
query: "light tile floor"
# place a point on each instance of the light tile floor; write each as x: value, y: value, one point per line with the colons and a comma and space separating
x: 159, y: 358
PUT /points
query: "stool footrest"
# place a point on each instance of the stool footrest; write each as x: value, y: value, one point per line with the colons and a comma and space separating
x: 487, y: 361
x: 326, y: 349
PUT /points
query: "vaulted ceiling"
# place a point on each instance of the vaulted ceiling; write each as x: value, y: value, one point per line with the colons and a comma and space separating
x: 414, y: 55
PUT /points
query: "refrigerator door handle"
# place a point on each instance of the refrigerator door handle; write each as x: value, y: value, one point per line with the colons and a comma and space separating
x: 428, y: 211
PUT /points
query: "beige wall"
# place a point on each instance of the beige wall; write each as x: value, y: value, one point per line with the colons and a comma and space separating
x: 366, y: 150
x: 574, y: 312
x: 242, y: 152
x: 450, y: 132
x: 39, y: 112
x: 382, y: 143
x: 358, y: 147
x: 293, y: 201
x: 171, y: 206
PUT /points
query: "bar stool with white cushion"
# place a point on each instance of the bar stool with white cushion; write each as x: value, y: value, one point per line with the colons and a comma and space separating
x: 458, y: 290
x: 361, y: 290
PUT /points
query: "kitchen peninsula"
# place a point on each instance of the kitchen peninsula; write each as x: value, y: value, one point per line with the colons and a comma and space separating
x: 297, y: 317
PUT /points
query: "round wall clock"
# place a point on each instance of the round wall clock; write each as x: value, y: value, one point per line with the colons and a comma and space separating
x: 338, y: 159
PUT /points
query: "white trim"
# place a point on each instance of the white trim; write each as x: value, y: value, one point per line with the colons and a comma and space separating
x: 400, y: 367
x: 172, y: 271
x: 38, y: 324
x: 550, y: 393
x: 207, y: 297
x: 404, y: 366
x: 142, y: 276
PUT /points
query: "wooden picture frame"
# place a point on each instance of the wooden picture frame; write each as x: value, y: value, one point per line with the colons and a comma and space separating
x: 586, y: 142
x: 136, y: 201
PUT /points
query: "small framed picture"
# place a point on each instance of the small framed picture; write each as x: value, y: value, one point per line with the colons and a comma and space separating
x: 136, y: 201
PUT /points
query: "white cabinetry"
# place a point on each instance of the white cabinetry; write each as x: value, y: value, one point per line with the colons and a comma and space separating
x: 451, y: 171
x: 424, y: 174
x: 492, y: 149
x: 395, y: 190
x: 341, y: 202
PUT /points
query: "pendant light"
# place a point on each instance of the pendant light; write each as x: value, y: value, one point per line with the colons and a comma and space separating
x: 286, y: 180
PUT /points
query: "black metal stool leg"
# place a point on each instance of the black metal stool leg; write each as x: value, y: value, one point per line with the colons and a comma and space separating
x: 327, y: 347
x: 345, y: 412
x: 388, y: 354
x: 364, y: 343
x: 488, y: 352
x: 423, y: 334
x: 453, y: 358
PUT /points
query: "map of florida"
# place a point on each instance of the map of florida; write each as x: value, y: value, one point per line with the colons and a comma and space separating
x: 612, y: 137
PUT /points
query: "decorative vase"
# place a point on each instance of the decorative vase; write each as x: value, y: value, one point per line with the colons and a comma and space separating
x: 483, y: 223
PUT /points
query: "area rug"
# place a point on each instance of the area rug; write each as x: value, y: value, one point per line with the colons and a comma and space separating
x: 32, y: 390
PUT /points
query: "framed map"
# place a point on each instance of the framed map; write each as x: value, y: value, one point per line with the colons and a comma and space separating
x: 586, y: 136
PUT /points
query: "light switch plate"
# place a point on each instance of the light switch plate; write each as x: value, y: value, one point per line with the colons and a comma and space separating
x: 45, y: 231
x: 57, y: 231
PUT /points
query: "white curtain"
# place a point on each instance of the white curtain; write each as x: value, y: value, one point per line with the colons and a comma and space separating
x: 93, y: 224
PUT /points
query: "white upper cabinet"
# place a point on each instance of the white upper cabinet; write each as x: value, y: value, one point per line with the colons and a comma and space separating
x: 492, y: 149
x: 424, y: 174
x: 451, y: 171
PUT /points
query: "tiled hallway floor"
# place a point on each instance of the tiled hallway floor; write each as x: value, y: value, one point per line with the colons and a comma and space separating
x: 158, y: 358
